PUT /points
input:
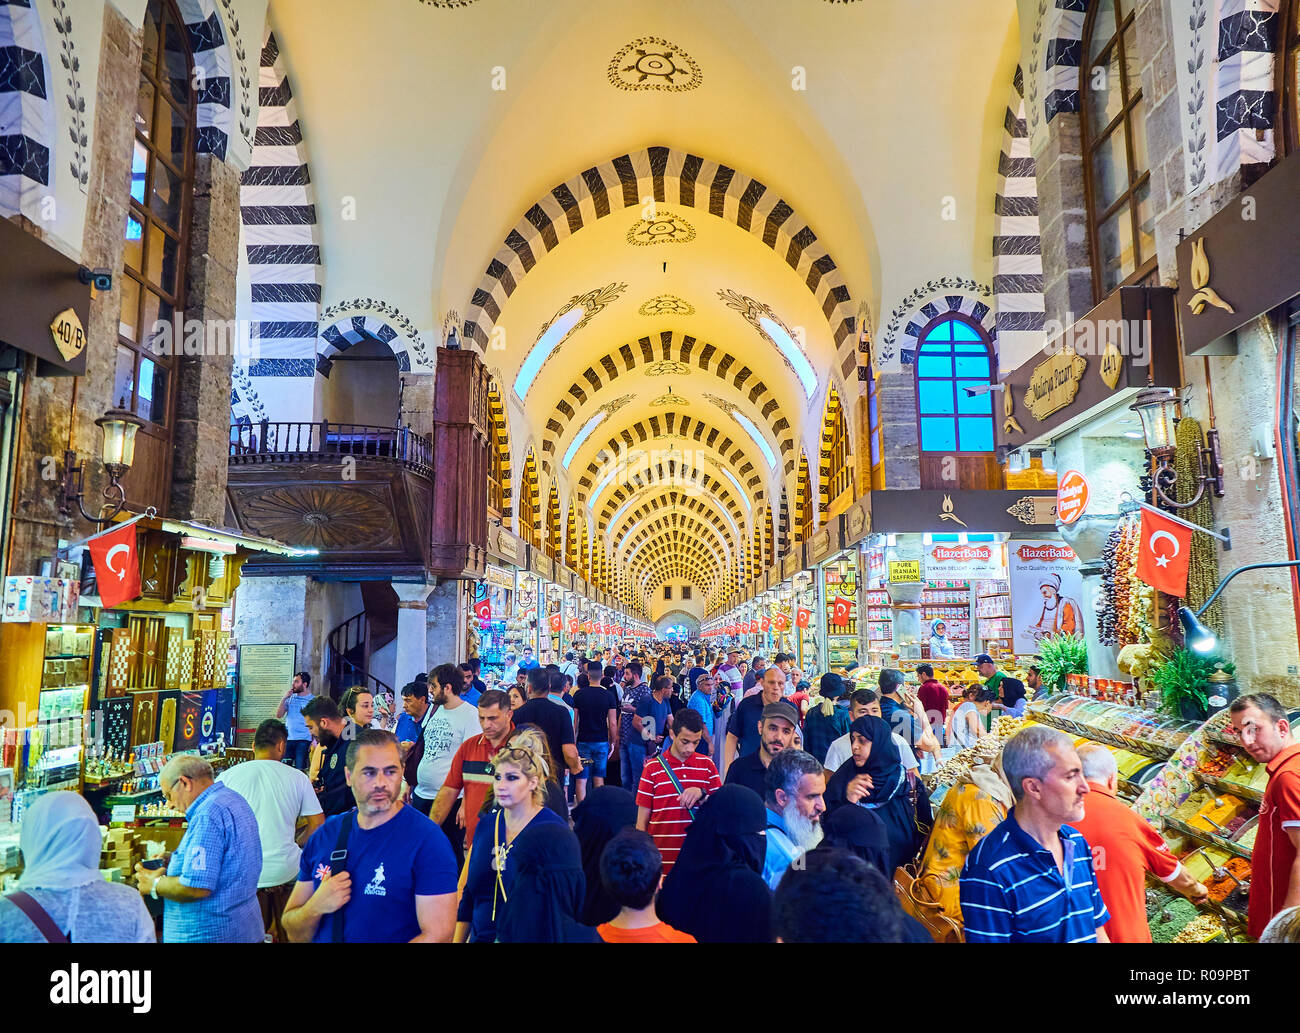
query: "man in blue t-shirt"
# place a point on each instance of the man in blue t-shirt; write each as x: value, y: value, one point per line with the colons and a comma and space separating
x: 651, y: 716
x: 395, y: 880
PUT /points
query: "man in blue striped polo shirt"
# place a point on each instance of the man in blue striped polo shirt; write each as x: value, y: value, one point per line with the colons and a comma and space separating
x: 1031, y: 879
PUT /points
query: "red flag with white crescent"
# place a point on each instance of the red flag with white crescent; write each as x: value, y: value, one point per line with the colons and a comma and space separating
x: 573, y: 625
x: 782, y: 622
x: 766, y: 623
x: 1164, y: 552
x: 483, y: 609
x: 116, y: 557
x: 840, y: 610
x: 802, y: 616
x: 557, y: 622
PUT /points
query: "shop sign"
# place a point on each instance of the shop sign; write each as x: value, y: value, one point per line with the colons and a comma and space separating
x: 856, y: 520
x: 500, y: 578
x: 904, y: 572
x: 1112, y: 365
x: 1046, y: 589
x: 265, y: 673
x: 792, y: 563
x: 1071, y: 497
x: 978, y: 562
x: 1054, y: 383
x: 68, y: 333
x: 1233, y: 268
x: 506, y: 545
x: 908, y: 511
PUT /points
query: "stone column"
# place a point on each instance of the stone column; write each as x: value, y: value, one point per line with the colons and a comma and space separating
x: 201, y: 440
x: 446, y: 621
x: 1062, y: 212
x: 412, y: 656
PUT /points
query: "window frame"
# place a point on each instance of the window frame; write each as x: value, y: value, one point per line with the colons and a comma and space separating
x: 959, y: 317
x: 143, y: 214
x: 1286, y: 126
x: 1120, y: 123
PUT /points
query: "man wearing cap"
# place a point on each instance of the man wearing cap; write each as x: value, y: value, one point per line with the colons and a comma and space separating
x: 729, y: 686
x: 776, y: 729
x: 742, y: 731
x: 988, y: 671
x: 828, y: 716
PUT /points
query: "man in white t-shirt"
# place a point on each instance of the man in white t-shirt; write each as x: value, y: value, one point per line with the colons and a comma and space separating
x: 280, y: 796
x: 862, y: 703
x: 452, y: 723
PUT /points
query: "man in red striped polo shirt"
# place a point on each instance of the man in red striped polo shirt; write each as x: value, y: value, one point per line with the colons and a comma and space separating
x: 673, y: 784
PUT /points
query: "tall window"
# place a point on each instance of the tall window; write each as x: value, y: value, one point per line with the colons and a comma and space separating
x: 840, y: 469
x: 803, y: 502
x: 529, y: 500
x: 553, y: 540
x: 1288, y: 93
x: 499, y: 459
x: 954, y: 356
x: 157, y: 225
x: 1121, y: 216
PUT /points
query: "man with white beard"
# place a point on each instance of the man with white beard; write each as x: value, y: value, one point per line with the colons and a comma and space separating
x: 796, y: 784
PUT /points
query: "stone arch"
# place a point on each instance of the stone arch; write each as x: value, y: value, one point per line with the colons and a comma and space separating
x: 30, y: 140
x: 640, y: 528
x: 663, y: 350
x: 927, y: 302
x: 209, y: 38
x: 553, y: 541
x: 344, y: 333
x: 529, y: 524
x: 1017, y: 245
x: 833, y: 478
x: 673, y: 177
x: 803, y: 503
x: 672, y: 474
x: 499, y: 442
x: 281, y: 236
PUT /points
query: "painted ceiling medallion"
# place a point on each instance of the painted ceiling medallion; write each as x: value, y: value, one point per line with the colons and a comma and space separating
x: 610, y: 408
x: 664, y: 228
x: 666, y: 305
x: 669, y: 399
x: 668, y: 368
x: 651, y: 63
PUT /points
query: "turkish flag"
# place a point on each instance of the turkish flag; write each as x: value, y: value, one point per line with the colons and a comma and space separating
x: 840, y: 610
x: 117, y: 565
x: 573, y: 625
x: 1164, y: 552
x: 802, y: 616
x: 557, y: 622
x: 483, y: 609
x: 782, y: 621
x: 767, y: 623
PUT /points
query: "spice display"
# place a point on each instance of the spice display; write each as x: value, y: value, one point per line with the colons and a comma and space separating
x: 1235, y: 872
x: 1172, y: 919
x: 1200, y: 930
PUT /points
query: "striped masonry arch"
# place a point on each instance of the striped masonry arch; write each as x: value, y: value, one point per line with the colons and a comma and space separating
x: 501, y: 450
x: 214, y: 67
x: 1017, y: 245
x: 27, y: 135
x: 529, y: 524
x: 672, y: 177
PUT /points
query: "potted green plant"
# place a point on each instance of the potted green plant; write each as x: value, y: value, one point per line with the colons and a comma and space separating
x: 1058, y: 656
x: 1184, y: 683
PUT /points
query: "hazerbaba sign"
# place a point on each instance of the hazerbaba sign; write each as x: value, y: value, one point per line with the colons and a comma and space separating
x: 983, y: 561
x: 1046, y: 589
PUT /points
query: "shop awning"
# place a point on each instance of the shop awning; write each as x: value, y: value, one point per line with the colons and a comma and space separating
x: 38, y: 285
x: 973, y: 512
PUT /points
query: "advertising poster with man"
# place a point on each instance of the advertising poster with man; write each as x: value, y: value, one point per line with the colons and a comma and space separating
x: 1046, y: 589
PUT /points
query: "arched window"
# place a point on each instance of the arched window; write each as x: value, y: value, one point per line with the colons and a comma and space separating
x: 1288, y: 87
x: 1121, y: 213
x: 952, y: 357
x: 529, y: 501
x: 837, y: 460
x: 499, y: 458
x: 157, y: 226
x: 769, y: 541
x: 553, y: 540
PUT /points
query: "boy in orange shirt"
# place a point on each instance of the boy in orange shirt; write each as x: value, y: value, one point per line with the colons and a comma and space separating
x: 631, y: 869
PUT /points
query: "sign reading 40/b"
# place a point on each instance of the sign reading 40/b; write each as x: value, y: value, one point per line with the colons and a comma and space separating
x: 68, y: 333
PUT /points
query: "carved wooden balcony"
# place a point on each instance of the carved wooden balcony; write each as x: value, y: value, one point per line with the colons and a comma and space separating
x: 361, y: 495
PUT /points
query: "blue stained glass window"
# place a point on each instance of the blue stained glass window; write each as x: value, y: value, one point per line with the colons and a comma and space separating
x: 953, y: 356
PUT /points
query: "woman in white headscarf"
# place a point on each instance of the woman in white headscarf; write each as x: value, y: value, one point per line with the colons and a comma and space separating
x: 941, y: 647
x: 62, y: 894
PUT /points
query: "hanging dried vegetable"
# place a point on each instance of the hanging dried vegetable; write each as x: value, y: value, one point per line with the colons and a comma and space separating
x: 1203, y: 572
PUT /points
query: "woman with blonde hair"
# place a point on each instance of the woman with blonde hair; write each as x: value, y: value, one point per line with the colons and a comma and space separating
x: 521, y: 771
x: 969, y: 811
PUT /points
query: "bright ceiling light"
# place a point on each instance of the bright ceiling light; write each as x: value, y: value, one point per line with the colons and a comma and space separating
x: 792, y: 352
x: 583, y: 434
x: 758, y: 438
x: 547, y: 343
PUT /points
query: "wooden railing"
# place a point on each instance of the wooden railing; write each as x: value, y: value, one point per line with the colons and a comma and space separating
x: 341, y: 671
x: 279, y: 442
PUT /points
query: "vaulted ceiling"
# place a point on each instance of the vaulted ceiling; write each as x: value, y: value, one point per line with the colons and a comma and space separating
x: 490, y: 165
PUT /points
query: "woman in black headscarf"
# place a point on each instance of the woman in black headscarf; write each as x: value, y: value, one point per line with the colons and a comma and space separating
x: 860, y: 832
x: 598, y: 819
x: 715, y: 890
x: 1013, y: 702
x: 545, y: 890
x: 873, y: 778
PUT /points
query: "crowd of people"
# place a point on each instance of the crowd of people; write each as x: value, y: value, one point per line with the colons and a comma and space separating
x: 675, y: 797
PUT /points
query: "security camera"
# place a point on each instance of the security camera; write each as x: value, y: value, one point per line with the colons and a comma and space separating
x: 983, y: 389
x: 100, y: 279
